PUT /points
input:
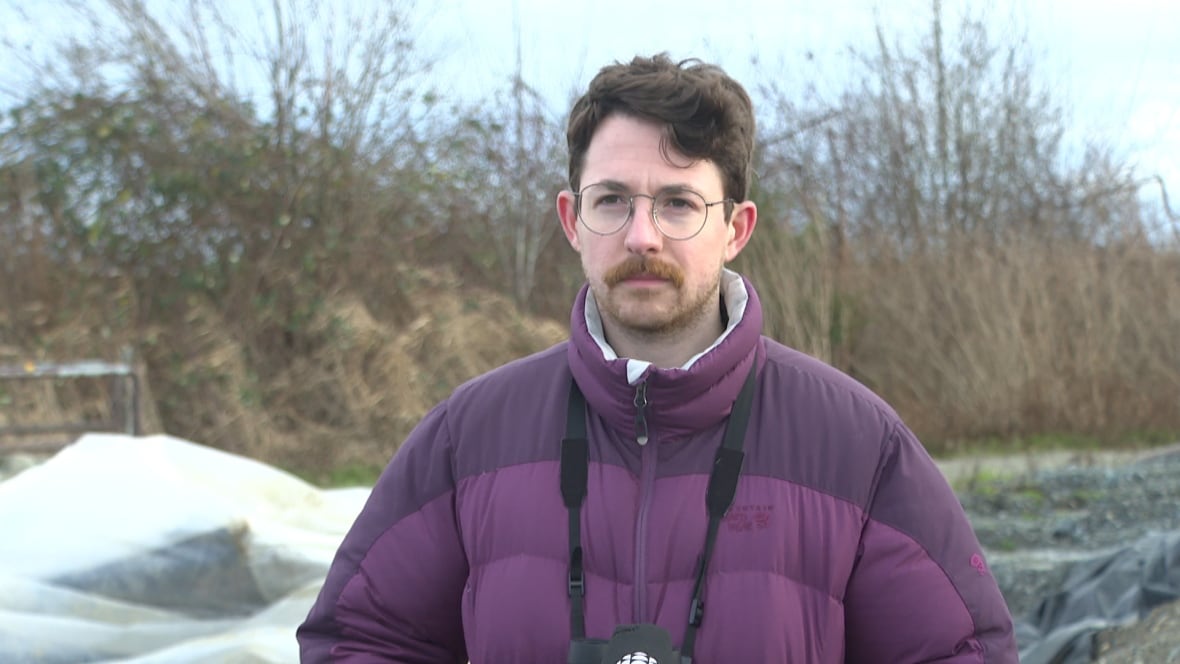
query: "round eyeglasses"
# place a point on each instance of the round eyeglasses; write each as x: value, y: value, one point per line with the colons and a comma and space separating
x: 679, y: 214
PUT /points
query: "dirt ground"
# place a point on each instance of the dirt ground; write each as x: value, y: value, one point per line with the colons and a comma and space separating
x: 1153, y: 640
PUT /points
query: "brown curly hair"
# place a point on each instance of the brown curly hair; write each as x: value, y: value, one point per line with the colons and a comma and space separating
x: 704, y: 113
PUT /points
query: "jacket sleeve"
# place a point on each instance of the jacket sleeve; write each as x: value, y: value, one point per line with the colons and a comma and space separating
x: 393, y: 592
x: 921, y: 590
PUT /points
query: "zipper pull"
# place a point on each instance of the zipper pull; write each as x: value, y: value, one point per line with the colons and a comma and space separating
x: 641, y: 413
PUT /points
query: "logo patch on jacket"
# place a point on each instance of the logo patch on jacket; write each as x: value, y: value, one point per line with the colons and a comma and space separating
x: 748, y: 518
x: 637, y: 658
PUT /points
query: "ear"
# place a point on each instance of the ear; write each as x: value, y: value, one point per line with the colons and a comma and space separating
x: 567, y: 212
x: 741, y: 228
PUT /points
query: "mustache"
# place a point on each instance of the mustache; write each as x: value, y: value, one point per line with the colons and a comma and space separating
x: 633, y: 267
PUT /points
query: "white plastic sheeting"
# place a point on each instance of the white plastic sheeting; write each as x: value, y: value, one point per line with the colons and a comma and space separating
x: 155, y: 549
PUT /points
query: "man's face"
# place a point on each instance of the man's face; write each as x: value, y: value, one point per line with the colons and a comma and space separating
x: 644, y: 282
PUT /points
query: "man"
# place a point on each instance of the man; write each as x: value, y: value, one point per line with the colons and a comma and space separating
x: 833, y: 536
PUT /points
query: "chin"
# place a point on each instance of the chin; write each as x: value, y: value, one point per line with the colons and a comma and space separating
x: 647, y: 327
x: 645, y: 320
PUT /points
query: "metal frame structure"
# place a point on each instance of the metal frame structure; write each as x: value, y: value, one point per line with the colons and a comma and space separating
x: 126, y: 393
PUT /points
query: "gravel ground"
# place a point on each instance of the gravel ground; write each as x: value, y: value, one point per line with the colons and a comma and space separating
x: 1037, y: 518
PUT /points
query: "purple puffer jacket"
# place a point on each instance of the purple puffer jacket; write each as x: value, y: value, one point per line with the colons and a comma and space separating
x: 844, y: 542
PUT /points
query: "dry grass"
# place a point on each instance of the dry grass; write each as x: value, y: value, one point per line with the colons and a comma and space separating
x: 350, y: 400
x: 1008, y: 338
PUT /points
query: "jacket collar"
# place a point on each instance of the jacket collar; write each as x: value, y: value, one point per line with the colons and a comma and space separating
x: 683, y: 400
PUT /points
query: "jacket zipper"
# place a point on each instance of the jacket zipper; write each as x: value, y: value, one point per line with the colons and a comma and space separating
x: 641, y: 413
x: 647, y: 476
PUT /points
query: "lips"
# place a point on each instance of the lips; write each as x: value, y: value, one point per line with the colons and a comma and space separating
x: 646, y: 278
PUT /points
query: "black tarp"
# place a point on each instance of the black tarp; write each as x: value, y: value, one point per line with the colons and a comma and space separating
x: 1110, y: 589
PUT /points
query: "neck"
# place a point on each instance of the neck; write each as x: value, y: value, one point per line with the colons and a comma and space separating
x: 665, y: 349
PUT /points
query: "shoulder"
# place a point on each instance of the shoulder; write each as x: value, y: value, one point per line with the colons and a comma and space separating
x: 511, y: 415
x: 820, y: 428
x: 523, y: 378
x: 492, y: 406
x: 804, y: 380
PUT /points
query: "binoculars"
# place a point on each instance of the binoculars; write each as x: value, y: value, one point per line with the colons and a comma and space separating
x: 630, y: 644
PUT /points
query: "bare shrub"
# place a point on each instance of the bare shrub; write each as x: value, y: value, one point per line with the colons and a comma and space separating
x: 804, y: 302
x: 927, y: 232
x: 1025, y: 336
x: 495, y: 172
x: 138, y: 158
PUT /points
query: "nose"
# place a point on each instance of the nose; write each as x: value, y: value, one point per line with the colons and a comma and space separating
x: 643, y: 237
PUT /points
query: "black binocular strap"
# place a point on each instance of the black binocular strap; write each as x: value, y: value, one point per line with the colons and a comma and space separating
x: 575, y: 462
x: 723, y: 480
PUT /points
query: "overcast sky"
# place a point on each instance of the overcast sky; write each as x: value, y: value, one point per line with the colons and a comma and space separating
x: 1115, y: 64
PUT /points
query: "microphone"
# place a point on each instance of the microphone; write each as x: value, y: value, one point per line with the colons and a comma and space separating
x: 640, y: 644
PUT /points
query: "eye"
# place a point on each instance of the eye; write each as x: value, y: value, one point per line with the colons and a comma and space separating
x: 679, y: 203
x: 609, y: 201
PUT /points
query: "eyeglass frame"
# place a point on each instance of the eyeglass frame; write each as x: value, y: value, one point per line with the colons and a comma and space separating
x: 655, y: 216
